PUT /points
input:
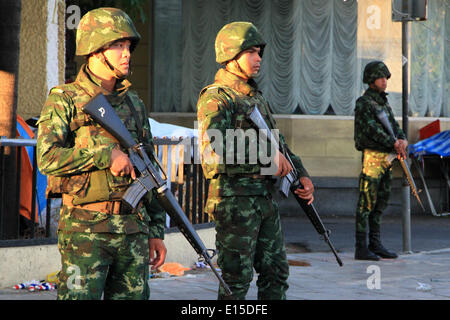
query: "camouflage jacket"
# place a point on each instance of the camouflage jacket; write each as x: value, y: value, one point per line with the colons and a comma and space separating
x: 222, y: 106
x: 369, y: 131
x: 75, y: 153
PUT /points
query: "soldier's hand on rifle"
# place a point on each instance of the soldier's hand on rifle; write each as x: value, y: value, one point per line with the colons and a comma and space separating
x: 283, y: 165
x: 404, y: 144
x: 121, y: 164
x: 400, y: 147
x: 307, y: 191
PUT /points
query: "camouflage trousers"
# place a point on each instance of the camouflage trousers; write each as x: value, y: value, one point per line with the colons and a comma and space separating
x: 374, y: 191
x: 249, y: 236
x: 115, y: 265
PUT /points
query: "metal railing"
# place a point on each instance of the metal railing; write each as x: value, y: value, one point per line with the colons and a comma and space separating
x: 185, y: 176
x: 27, y: 231
x: 189, y: 187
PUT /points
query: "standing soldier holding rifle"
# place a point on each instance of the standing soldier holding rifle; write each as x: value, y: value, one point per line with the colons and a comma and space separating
x: 376, y: 144
x: 105, y: 244
x: 247, y: 219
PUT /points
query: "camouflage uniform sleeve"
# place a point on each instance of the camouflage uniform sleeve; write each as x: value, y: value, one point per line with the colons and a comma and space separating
x: 157, y: 217
x: 212, y: 116
x: 368, y: 130
x: 56, y: 152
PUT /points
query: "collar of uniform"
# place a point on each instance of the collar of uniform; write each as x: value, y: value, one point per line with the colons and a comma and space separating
x: 231, y: 80
x: 380, y: 97
x: 93, y: 84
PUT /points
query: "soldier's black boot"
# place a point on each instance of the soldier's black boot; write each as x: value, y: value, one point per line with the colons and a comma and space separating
x: 376, y: 247
x: 361, y: 250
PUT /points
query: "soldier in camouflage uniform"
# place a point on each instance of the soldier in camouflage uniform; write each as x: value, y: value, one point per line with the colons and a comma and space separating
x: 375, y: 143
x: 247, y: 221
x: 105, y: 246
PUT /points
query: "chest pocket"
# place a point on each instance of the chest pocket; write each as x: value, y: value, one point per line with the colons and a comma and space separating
x: 240, y: 120
x: 241, y: 105
x: 98, y: 185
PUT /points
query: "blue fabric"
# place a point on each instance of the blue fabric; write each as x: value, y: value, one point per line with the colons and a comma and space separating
x: 41, y: 180
x: 437, y: 144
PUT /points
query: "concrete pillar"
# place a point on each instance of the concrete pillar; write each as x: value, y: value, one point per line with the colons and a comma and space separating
x: 42, y: 53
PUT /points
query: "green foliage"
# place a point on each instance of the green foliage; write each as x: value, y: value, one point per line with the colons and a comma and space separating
x: 134, y: 8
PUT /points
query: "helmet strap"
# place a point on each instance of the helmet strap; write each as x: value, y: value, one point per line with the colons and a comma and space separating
x: 116, y: 73
x: 237, y: 70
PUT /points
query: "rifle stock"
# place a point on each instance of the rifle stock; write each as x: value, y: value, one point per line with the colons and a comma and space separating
x: 149, y: 178
x: 291, y: 182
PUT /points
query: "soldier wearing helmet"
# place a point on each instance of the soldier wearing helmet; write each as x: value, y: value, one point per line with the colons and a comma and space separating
x: 100, y: 29
x: 239, y: 197
x: 375, y: 143
x: 106, y: 245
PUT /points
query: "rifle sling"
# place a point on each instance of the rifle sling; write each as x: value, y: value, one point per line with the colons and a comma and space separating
x: 136, y: 118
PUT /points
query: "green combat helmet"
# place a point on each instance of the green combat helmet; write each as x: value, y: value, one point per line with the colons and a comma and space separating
x: 100, y: 27
x: 375, y: 70
x: 236, y: 37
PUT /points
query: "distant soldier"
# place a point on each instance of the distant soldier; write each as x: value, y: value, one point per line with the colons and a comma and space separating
x: 105, y: 246
x: 375, y: 179
x: 247, y: 220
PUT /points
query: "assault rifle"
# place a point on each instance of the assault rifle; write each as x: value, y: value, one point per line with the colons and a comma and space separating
x: 148, y: 177
x: 382, y: 116
x: 291, y: 181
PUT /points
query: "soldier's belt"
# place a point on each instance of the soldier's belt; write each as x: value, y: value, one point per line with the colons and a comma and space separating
x: 252, y: 176
x: 108, y: 207
x: 241, y: 175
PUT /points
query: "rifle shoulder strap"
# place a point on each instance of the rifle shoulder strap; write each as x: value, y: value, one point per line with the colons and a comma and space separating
x: 136, y: 118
